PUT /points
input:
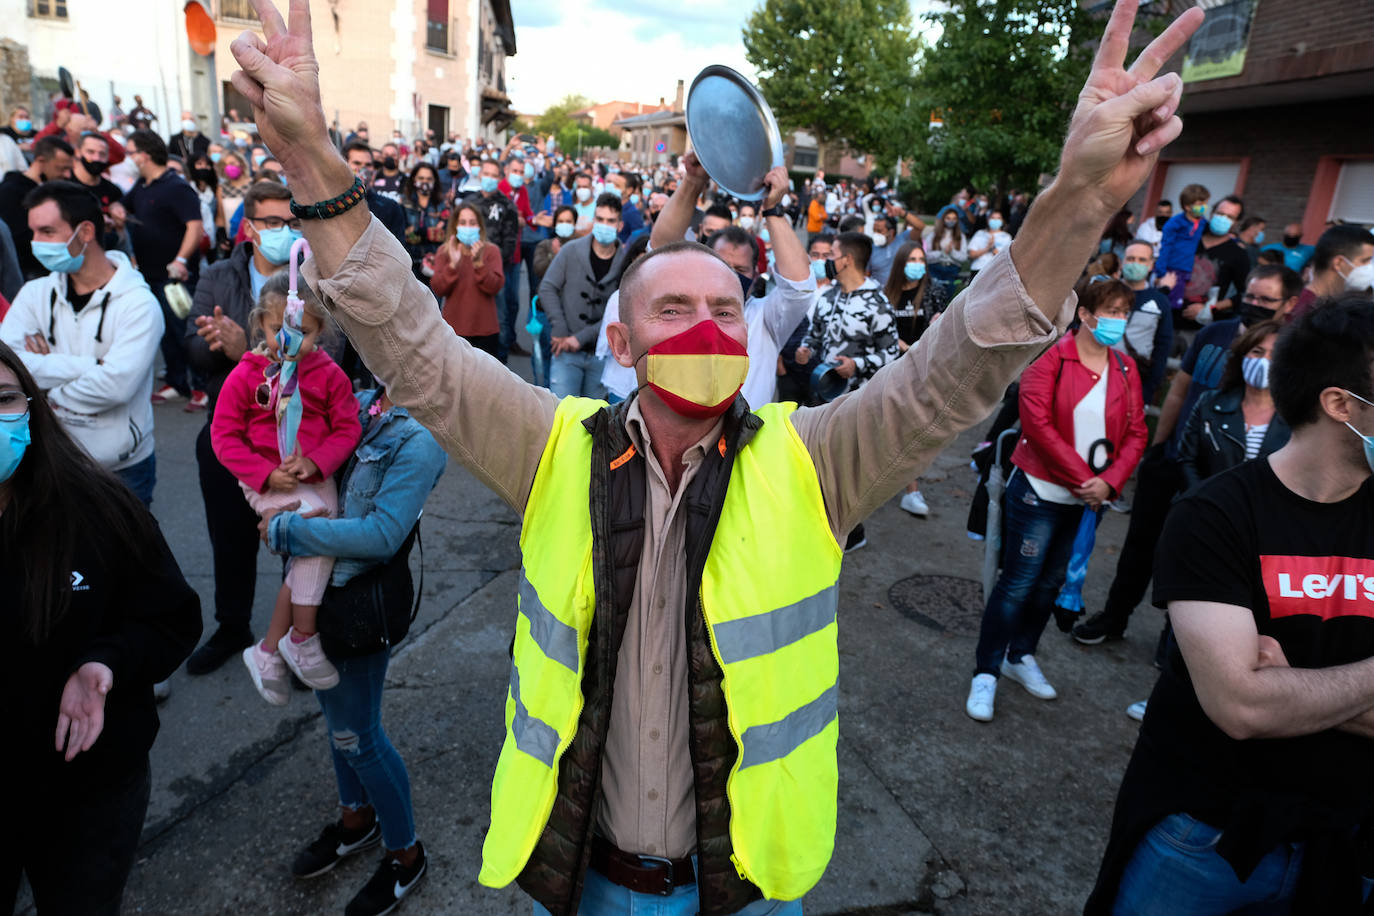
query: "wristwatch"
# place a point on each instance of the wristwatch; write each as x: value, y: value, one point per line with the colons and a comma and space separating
x: 775, y: 210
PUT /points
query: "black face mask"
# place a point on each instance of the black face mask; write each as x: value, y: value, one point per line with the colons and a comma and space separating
x: 94, y: 166
x: 1251, y: 314
x: 389, y: 163
x: 830, y: 272
x: 1292, y: 241
x: 1160, y: 221
x: 205, y: 176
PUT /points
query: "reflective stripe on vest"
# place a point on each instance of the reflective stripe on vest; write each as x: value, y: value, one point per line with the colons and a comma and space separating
x: 769, y: 594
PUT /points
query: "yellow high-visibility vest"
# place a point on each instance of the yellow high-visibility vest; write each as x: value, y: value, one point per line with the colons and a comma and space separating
x: 769, y: 592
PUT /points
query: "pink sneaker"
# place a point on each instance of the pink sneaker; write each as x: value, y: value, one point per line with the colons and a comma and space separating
x: 269, y: 674
x: 308, y: 661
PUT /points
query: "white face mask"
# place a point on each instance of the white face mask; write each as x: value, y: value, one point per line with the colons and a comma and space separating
x: 189, y: 126
x: 1360, y: 278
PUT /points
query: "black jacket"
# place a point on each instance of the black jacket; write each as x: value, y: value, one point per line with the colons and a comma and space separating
x: 141, y: 622
x: 391, y: 214
x: 503, y: 223
x: 227, y: 284
x: 1214, y: 439
x: 13, y: 189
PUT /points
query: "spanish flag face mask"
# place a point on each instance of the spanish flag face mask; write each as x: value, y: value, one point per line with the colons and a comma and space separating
x: 699, y: 372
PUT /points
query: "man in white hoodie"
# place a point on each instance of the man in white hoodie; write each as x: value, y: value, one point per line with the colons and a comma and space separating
x: 89, y: 332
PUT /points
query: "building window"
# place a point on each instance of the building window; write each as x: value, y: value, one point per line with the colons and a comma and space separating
x: 1353, y: 200
x: 237, y: 9
x: 436, y: 26
x: 804, y: 158
x: 438, y: 122
x: 1219, y: 178
x: 48, y: 9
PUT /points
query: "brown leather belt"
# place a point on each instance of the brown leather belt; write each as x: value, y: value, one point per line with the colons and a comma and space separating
x: 641, y: 874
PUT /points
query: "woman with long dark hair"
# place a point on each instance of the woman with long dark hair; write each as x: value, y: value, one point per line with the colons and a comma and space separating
x: 97, y: 611
x: 426, y: 215
x: 467, y: 277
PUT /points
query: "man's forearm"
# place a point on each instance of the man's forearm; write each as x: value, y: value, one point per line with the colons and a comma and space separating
x: 1288, y: 702
x: 676, y: 215
x: 190, y: 240
x: 789, y: 257
x: 317, y: 173
x: 1362, y: 725
x: 1059, y: 234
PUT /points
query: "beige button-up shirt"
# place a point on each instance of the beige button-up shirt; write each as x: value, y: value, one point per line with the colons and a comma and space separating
x: 866, y: 446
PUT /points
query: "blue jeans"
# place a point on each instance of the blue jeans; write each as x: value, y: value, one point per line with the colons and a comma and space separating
x: 1176, y: 870
x: 577, y: 374
x: 368, y: 769
x: 1037, y: 541
x: 600, y: 897
x: 508, y: 308
x: 141, y: 478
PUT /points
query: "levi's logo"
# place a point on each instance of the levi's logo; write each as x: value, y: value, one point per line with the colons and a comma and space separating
x: 1325, y: 587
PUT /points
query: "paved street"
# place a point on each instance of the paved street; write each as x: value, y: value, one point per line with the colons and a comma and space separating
x: 937, y: 813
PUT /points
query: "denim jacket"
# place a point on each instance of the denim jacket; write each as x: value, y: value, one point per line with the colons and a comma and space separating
x: 384, y: 487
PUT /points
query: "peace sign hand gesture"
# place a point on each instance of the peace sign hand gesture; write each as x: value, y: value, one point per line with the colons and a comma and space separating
x: 1125, y: 116
x: 281, y: 78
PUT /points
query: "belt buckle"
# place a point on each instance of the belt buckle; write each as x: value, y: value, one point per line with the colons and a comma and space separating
x: 667, y: 864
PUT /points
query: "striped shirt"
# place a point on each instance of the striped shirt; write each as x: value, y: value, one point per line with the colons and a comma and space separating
x: 1254, y: 438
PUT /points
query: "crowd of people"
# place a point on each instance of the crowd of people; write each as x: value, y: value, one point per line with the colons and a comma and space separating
x: 703, y: 365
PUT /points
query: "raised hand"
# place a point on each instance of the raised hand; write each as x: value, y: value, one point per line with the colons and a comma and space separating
x: 693, y: 169
x: 776, y: 182
x: 81, y: 711
x: 281, y: 78
x: 1125, y: 116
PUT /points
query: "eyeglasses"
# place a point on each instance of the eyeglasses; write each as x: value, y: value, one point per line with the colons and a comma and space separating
x: 1252, y: 299
x: 14, y: 405
x: 276, y: 222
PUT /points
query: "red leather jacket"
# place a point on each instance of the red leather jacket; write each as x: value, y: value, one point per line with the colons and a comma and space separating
x: 1050, y: 389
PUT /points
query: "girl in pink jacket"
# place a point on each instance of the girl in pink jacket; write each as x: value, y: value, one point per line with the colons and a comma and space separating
x: 284, y: 456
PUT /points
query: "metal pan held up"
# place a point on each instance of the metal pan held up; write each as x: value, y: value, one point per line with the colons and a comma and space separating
x: 732, y: 131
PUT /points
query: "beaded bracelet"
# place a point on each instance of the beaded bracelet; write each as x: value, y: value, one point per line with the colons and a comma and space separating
x: 334, y: 206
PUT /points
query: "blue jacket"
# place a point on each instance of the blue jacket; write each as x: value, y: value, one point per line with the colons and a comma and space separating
x: 552, y: 201
x: 384, y: 487
x: 631, y: 221
x: 1178, y: 243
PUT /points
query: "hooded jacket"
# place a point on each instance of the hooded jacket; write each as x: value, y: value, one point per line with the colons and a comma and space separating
x: 99, y: 375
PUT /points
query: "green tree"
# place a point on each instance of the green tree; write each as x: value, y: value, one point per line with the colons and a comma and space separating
x: 585, y: 136
x: 1004, y: 77
x: 839, y: 69
x: 558, y: 116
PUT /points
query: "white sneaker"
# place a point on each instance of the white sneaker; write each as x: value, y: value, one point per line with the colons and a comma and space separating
x: 915, y: 503
x: 1027, y: 673
x: 981, y: 694
x: 1137, y: 710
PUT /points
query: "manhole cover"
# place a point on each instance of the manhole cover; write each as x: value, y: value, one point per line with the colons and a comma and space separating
x: 946, y: 603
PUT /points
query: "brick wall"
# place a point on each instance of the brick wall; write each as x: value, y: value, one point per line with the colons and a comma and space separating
x: 1283, y: 143
x: 15, y: 77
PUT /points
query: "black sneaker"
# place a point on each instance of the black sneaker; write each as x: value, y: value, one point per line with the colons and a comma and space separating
x: 856, y: 540
x: 1097, y: 629
x: 218, y: 649
x: 388, y: 885
x: 335, y: 842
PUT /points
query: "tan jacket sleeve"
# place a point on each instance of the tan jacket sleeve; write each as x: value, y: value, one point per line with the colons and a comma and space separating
x: 484, y: 415
x: 868, y: 444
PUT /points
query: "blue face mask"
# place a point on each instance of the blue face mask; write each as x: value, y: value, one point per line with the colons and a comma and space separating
x: 1219, y: 224
x: 275, y: 244
x: 489, y: 184
x: 515, y: 180
x: 23, y: 125
x: 1134, y: 271
x: 1259, y: 237
x: 634, y: 200
x: 763, y: 234
x: 604, y: 234
x: 14, y: 440
x: 1367, y: 440
x: 56, y: 258
x: 469, y: 234
x: 1109, y: 330
x: 563, y: 230
x: 215, y: 157
x: 914, y: 271
x: 994, y: 224
x: 818, y: 269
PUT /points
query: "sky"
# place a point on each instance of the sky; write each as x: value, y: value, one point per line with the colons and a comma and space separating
x: 656, y: 42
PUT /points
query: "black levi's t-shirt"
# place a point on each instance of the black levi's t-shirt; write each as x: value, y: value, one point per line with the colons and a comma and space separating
x: 1306, y: 572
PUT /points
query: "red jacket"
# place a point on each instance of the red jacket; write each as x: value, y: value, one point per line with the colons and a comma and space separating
x: 244, y: 435
x: 1050, y: 389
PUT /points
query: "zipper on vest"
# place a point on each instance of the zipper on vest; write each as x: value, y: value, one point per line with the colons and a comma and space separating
x: 739, y: 744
